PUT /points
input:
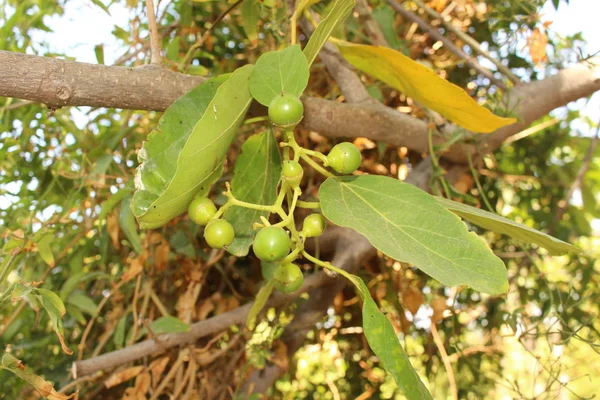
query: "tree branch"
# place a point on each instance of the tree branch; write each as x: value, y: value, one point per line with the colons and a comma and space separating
x: 59, y: 83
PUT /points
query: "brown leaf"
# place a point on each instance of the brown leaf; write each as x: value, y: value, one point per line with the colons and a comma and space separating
x: 412, y: 299
x: 537, y: 43
x: 227, y: 304
x: 122, y: 376
x: 142, y: 384
x: 439, y: 306
x: 136, y: 266
x: 186, y: 304
x: 112, y: 225
x: 157, y: 368
x: 161, y: 256
x: 280, y: 355
x: 205, y: 308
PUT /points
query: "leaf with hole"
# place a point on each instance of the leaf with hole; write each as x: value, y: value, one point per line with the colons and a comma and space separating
x: 423, y: 85
x: 498, y: 224
x: 409, y: 225
x: 279, y: 72
x: 185, y: 157
x: 338, y: 13
x: 256, y: 175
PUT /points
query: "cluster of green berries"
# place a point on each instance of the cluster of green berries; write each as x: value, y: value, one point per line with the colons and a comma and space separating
x: 272, y: 244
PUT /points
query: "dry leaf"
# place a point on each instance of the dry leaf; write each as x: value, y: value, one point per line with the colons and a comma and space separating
x: 122, y: 376
x: 142, y: 383
x: 537, y: 43
x: 227, y: 304
x: 157, y: 368
x: 280, y: 355
x: 161, y: 256
x: 412, y: 299
x: 136, y: 266
x: 205, y: 308
x: 186, y: 304
x: 439, y: 306
x: 112, y: 225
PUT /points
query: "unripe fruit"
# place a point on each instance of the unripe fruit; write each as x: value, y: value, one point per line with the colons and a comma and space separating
x: 313, y: 225
x: 344, y: 158
x: 288, y: 278
x: 286, y: 111
x: 292, y: 173
x: 271, y: 244
x: 267, y: 268
x: 201, y: 210
x: 219, y: 233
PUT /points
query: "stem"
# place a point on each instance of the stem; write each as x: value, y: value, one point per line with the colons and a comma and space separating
x: 308, y: 204
x: 329, y: 266
x: 479, y: 187
x: 255, y: 119
x: 435, y: 161
x: 316, y: 166
x: 154, y: 35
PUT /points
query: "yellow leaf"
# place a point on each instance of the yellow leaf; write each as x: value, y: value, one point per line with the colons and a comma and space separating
x: 122, y: 376
x: 423, y: 85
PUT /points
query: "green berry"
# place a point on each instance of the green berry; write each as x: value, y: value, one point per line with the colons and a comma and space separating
x: 344, y: 158
x: 219, y: 233
x: 267, y: 268
x: 313, y: 225
x: 271, y: 244
x: 286, y: 111
x: 201, y: 210
x: 292, y: 173
x: 288, y: 278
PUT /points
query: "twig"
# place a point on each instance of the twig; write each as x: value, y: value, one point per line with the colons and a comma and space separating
x: 155, y: 42
x: 190, y: 54
x: 587, y: 160
x: 197, y: 330
x: 424, y: 25
x: 470, y: 41
x: 371, y: 26
x: 447, y: 365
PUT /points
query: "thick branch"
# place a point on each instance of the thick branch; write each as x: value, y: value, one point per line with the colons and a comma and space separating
x: 65, y: 83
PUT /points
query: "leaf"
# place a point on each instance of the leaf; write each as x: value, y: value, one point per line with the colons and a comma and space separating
x: 498, y: 224
x: 123, y: 376
x: 168, y: 325
x: 256, y: 175
x: 301, y: 6
x: 99, y: 51
x: 44, y: 387
x: 409, y: 225
x: 386, y: 18
x: 83, y: 302
x: 173, y: 49
x: 259, y: 303
x: 383, y: 341
x: 55, y: 309
x: 110, y: 203
x: 74, y: 280
x: 340, y: 10
x: 250, y: 14
x: 279, y: 72
x: 102, y: 6
x: 119, y: 335
x: 44, y: 250
x: 423, y: 85
x: 165, y: 188
x: 128, y: 225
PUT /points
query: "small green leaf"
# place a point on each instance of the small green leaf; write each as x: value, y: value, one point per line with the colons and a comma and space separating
x: 119, y: 335
x: 277, y: 73
x: 128, y: 225
x: 83, y: 302
x: 172, y: 51
x: 340, y: 10
x: 76, y: 314
x: 259, y: 303
x: 166, y: 187
x: 49, y: 296
x: 110, y: 203
x: 44, y: 250
x: 409, y: 225
x: 168, y: 325
x: 99, y: 51
x: 386, y: 18
x: 75, y: 279
x: 255, y: 178
x: 250, y: 14
x: 55, y: 309
x: 383, y: 341
x: 498, y: 224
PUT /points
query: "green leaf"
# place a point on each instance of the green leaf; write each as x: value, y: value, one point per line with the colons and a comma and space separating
x: 409, y: 225
x: 498, y: 224
x: 279, y: 72
x: 44, y: 387
x: 119, y: 335
x: 172, y: 51
x: 256, y: 175
x: 168, y: 325
x: 340, y: 10
x: 110, y: 203
x: 128, y: 225
x: 44, y: 250
x: 422, y: 84
x: 386, y: 19
x: 76, y: 314
x: 383, y: 341
x: 99, y: 51
x: 250, y: 14
x: 165, y: 187
x: 49, y: 296
x: 83, y: 302
x: 102, y: 6
x: 55, y: 309
x: 74, y: 280
x: 259, y: 303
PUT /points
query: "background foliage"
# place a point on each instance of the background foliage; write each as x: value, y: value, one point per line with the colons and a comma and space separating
x: 65, y: 172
